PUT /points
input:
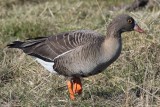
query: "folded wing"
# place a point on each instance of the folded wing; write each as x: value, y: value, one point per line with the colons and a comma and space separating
x: 48, y: 48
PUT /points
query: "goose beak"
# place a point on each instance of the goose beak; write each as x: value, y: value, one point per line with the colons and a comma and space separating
x: 138, y: 29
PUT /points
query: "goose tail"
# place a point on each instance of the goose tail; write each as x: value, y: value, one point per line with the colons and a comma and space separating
x: 15, y: 44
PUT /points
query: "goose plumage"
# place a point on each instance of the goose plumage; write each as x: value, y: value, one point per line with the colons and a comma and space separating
x: 80, y: 53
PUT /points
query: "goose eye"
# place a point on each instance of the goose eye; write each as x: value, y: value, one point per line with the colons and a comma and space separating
x: 130, y: 21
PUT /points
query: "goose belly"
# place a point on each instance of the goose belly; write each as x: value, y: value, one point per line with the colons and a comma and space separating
x: 79, y: 66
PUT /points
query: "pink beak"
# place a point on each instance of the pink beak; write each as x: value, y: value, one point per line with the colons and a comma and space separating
x: 138, y: 29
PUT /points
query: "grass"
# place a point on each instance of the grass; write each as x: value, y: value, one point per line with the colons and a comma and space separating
x: 133, y: 80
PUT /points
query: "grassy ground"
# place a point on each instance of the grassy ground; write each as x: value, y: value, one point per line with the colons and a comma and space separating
x: 133, y: 80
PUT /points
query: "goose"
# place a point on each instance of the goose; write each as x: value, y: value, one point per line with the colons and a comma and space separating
x: 79, y: 53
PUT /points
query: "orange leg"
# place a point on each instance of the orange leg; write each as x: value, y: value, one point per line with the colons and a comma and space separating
x: 74, y: 86
x: 70, y: 89
x: 77, y: 86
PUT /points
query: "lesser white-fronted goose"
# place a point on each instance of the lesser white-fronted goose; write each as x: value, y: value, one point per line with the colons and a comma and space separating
x: 79, y: 53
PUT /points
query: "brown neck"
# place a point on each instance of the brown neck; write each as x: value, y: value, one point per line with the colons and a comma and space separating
x: 111, y: 47
x: 113, y: 31
x: 113, y: 39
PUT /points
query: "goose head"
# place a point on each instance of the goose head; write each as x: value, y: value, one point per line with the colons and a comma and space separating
x: 123, y: 23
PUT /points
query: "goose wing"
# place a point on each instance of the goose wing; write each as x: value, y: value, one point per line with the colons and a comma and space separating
x: 48, y: 48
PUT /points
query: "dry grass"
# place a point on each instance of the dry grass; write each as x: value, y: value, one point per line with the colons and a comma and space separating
x: 133, y: 80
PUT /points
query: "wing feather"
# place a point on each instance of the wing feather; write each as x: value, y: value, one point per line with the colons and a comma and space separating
x: 48, y: 48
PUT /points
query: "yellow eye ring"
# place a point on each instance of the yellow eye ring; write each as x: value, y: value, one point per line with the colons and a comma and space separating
x: 129, y: 21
